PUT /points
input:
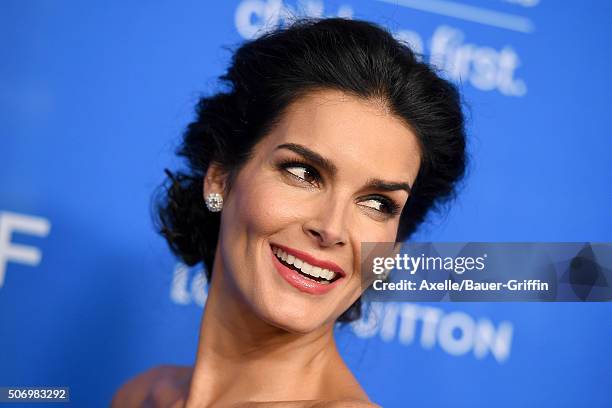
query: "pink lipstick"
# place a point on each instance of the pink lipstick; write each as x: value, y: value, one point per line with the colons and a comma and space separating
x: 298, y: 279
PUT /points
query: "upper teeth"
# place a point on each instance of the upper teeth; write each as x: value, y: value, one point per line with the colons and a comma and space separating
x: 303, y: 265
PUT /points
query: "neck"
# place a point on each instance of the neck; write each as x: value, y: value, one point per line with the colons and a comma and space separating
x: 241, y: 356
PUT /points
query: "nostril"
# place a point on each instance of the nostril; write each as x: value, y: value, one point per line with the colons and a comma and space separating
x: 325, y: 239
x: 323, y: 236
x: 316, y: 233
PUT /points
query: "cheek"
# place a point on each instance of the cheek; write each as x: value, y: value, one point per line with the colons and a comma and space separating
x: 368, y: 230
x: 262, y: 206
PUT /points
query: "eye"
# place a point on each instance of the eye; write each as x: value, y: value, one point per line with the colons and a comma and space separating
x: 301, y: 171
x: 381, y: 204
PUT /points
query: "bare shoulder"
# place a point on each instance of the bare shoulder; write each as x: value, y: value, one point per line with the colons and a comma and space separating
x: 347, y: 403
x: 344, y: 403
x: 159, y: 386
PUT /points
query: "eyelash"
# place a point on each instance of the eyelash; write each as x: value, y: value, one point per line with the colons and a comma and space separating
x: 289, y: 163
x: 392, y: 208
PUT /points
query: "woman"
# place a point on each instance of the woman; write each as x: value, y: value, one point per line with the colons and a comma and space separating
x: 330, y: 133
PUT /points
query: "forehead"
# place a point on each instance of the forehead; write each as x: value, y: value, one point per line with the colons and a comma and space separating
x: 358, y: 135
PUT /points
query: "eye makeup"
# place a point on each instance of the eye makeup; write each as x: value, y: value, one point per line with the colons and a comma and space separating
x: 314, y: 175
x: 308, y: 174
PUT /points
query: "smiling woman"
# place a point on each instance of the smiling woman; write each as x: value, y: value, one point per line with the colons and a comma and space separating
x: 331, y: 134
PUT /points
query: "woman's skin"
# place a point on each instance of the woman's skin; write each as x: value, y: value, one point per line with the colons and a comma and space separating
x: 262, y: 339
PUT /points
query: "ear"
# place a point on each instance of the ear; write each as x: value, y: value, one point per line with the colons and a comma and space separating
x: 215, y: 180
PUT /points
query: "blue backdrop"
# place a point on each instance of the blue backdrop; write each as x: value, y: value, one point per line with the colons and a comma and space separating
x: 94, y: 96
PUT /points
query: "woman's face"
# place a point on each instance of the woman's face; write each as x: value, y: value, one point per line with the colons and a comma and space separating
x: 329, y: 176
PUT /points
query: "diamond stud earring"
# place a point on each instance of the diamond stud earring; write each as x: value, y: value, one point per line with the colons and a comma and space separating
x: 214, y: 202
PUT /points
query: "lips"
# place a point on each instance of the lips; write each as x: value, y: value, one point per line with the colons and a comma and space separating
x: 320, y: 279
x: 312, y: 260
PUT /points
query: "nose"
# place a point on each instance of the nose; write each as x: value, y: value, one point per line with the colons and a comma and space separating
x: 329, y: 225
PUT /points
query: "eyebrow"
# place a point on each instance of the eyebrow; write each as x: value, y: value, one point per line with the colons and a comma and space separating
x: 329, y: 167
x: 378, y: 184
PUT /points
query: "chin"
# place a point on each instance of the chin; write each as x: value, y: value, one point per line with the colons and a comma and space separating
x: 293, y: 315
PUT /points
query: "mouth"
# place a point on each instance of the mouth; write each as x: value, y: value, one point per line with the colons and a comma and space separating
x: 304, y: 271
